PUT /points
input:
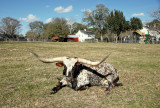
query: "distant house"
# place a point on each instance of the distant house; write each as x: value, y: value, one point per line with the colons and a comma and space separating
x: 84, y: 35
x: 80, y: 36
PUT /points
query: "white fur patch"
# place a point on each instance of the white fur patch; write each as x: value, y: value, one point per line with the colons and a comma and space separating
x: 69, y: 63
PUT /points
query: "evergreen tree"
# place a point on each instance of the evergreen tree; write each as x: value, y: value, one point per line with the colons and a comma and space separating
x: 117, y: 22
x: 136, y: 23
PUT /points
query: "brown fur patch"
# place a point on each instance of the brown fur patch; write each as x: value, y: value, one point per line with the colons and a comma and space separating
x: 59, y: 64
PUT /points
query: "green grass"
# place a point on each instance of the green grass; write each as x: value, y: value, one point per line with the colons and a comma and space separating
x: 26, y: 82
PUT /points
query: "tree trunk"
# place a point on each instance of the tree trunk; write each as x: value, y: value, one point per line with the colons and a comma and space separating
x: 101, y: 38
x: 108, y: 39
x: 121, y: 39
x: 135, y: 38
x: 116, y: 39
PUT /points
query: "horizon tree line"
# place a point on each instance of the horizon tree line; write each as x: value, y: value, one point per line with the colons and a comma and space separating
x: 100, y: 21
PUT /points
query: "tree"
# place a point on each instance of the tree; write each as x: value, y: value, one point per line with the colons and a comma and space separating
x: 77, y: 26
x: 156, y: 14
x: 9, y: 27
x: 127, y: 25
x: 61, y: 26
x: 30, y: 35
x: 96, y: 18
x: 70, y: 22
x: 37, y: 28
x: 57, y: 27
x: 48, y: 31
x: 136, y: 23
x: 154, y: 25
x: 117, y: 23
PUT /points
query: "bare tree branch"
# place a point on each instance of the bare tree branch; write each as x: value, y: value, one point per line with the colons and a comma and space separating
x: 9, y: 27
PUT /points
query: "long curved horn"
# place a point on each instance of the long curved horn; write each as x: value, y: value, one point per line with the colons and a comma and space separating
x: 51, y: 60
x: 85, y: 61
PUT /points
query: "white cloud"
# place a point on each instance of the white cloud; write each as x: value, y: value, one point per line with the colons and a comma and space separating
x: 29, y: 18
x: 61, y: 9
x: 138, y: 14
x: 49, y: 20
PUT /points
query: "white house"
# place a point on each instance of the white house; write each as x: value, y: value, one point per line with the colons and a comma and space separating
x: 84, y: 35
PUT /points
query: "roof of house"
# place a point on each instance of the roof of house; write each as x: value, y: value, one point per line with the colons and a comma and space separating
x: 72, y: 36
x: 87, y: 32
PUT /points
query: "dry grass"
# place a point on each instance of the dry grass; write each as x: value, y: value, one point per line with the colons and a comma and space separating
x: 26, y: 82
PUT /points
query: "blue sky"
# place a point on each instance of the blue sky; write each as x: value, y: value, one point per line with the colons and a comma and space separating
x: 43, y: 10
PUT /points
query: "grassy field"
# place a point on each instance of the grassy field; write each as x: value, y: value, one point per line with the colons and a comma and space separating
x: 26, y: 82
